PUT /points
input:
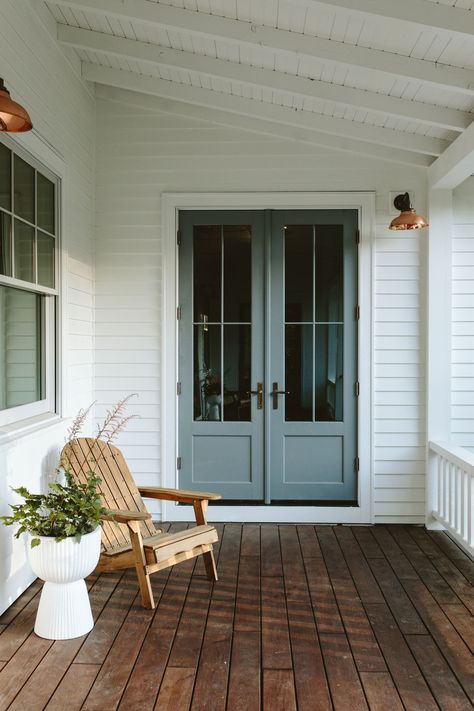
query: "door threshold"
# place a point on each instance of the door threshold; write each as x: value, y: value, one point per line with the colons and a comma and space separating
x: 286, y: 502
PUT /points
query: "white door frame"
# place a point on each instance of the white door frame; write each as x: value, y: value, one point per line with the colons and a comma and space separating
x: 364, y: 202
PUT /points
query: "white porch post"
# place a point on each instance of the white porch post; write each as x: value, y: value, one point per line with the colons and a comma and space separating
x: 438, y: 332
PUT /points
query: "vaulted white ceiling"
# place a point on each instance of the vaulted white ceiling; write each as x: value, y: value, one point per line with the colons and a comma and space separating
x: 389, y: 78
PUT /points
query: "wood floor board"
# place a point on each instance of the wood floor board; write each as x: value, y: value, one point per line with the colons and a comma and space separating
x: 73, y: 688
x: 303, y: 618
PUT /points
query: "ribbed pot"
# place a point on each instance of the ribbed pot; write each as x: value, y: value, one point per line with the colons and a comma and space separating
x: 64, y: 610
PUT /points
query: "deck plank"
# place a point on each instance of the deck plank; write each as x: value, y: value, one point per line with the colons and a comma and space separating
x: 302, y: 618
x: 278, y: 690
x: 405, y: 672
x: 380, y: 691
x: 74, y: 687
x: 364, y: 646
x: 444, y: 634
x: 439, y: 676
x: 176, y: 690
x: 346, y: 689
x: 310, y: 678
x: 214, y: 662
x: 244, y: 691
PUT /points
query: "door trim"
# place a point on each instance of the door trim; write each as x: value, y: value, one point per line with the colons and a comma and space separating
x: 364, y: 202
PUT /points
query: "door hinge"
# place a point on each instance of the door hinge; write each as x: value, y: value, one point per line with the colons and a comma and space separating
x: 178, y: 462
x: 357, y: 313
x: 179, y: 313
x: 357, y: 236
x: 178, y: 238
x: 178, y: 388
x: 356, y: 464
x: 357, y: 389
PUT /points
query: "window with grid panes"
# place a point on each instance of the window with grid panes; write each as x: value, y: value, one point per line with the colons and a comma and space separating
x: 28, y: 286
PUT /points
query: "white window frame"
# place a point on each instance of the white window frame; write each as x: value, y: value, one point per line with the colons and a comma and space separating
x: 39, y: 157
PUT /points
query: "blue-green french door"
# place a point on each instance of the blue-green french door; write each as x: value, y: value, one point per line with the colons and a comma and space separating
x: 268, y: 355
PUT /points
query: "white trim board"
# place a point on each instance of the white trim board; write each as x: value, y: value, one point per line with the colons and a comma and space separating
x: 364, y: 202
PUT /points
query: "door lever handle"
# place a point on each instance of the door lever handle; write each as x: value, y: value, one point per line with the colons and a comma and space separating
x: 275, y: 393
x: 259, y: 393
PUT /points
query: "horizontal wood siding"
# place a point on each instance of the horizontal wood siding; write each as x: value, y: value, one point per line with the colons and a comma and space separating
x: 462, y: 404
x: 62, y: 108
x: 141, y: 154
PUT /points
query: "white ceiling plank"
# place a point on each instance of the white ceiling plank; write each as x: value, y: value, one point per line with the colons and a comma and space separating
x: 427, y: 15
x: 456, y: 164
x: 222, y: 98
x: 295, y: 85
x: 225, y: 29
x: 182, y: 104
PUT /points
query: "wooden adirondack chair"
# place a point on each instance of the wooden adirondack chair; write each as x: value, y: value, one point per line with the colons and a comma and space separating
x: 129, y: 537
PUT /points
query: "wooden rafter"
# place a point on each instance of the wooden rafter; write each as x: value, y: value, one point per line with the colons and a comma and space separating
x: 236, y: 31
x: 264, y: 78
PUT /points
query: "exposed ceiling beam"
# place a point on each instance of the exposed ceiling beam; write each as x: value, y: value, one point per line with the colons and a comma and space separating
x: 151, y: 101
x: 266, y: 78
x: 456, y: 164
x: 268, y: 111
x: 425, y: 14
x: 236, y: 31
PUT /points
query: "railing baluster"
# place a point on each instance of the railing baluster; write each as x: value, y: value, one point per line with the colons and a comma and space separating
x: 451, y: 483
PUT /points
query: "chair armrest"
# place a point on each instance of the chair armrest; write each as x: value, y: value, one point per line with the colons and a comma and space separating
x: 156, y: 492
x: 125, y: 516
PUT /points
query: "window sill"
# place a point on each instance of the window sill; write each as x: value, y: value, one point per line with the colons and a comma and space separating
x: 16, y: 430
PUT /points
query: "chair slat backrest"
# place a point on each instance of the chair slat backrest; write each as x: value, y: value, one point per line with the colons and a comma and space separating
x: 117, y: 487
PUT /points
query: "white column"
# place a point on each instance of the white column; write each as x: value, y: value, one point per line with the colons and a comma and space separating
x: 438, y: 330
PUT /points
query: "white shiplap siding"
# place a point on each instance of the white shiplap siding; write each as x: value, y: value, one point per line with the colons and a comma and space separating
x: 62, y: 108
x: 462, y: 409
x: 173, y: 153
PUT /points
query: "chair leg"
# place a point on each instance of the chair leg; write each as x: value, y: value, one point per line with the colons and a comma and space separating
x: 146, y: 593
x: 210, y: 564
x: 200, y: 508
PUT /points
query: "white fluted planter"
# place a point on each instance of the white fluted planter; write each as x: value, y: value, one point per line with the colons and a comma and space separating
x: 64, y: 610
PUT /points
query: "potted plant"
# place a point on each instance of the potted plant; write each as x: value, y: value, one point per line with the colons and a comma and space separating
x: 63, y: 527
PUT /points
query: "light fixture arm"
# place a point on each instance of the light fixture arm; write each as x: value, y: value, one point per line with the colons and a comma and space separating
x: 403, y: 203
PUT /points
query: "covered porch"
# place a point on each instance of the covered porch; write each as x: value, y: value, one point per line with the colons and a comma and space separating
x: 303, y: 617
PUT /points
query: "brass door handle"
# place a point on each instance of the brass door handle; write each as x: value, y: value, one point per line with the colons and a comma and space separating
x: 275, y: 393
x: 259, y: 393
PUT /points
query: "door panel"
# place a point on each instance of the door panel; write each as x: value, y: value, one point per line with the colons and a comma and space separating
x: 268, y: 297
x: 314, y: 355
x: 221, y: 352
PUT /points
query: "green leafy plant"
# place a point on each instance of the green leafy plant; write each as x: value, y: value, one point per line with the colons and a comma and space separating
x: 71, y: 509
x: 74, y: 508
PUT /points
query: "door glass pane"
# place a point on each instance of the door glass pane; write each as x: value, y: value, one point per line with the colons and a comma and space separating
x: 5, y: 245
x: 5, y: 177
x: 207, y: 372
x: 24, y: 251
x: 45, y: 259
x: 237, y: 273
x: 299, y: 373
x: 329, y: 363
x: 299, y: 273
x: 237, y: 376
x: 329, y: 258
x: 24, y: 190
x: 20, y: 347
x: 207, y: 273
x: 45, y: 189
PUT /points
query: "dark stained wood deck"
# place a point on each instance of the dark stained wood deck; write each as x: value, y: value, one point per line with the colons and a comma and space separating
x: 303, y: 617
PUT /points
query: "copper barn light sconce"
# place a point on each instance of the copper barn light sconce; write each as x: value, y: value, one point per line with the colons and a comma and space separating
x: 408, y: 218
x: 13, y: 117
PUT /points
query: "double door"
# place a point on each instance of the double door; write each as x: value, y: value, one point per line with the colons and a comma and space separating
x: 267, y: 386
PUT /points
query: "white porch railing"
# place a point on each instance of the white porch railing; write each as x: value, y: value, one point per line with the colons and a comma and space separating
x: 451, y: 490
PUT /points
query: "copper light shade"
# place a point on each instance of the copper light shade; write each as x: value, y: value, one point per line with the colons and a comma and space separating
x: 13, y: 117
x: 408, y: 218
